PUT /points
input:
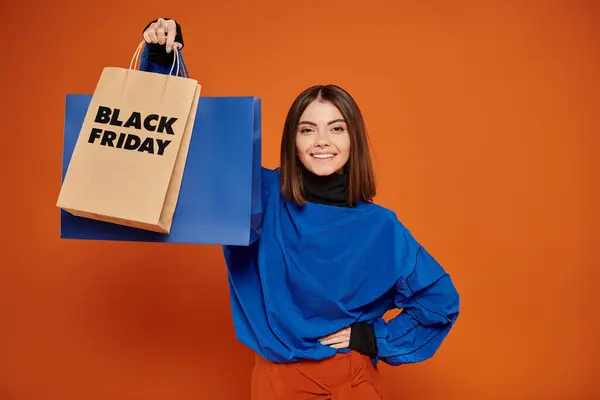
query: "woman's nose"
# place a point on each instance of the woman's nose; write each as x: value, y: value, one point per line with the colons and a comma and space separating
x: 322, y: 139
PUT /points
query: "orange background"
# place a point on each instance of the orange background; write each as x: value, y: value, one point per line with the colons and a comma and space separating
x: 484, y: 122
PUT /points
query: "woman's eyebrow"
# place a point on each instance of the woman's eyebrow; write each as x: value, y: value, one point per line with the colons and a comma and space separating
x: 313, y: 124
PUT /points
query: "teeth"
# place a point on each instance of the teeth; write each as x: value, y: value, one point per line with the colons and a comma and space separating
x: 323, y: 156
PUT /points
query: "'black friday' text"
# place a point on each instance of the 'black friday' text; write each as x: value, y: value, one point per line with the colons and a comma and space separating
x: 130, y: 141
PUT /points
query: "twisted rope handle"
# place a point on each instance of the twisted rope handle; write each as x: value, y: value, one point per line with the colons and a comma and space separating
x: 175, y: 58
x: 136, y: 55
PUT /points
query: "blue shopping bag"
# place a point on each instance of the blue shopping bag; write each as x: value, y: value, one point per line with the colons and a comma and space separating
x: 220, y: 197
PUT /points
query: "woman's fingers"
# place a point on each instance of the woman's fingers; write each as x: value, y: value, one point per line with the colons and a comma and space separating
x: 150, y: 34
x: 161, y: 31
x: 171, y: 33
x: 342, y: 345
x: 341, y: 337
x: 336, y: 340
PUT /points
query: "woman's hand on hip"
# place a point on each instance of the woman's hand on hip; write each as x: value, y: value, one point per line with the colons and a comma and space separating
x: 337, y: 340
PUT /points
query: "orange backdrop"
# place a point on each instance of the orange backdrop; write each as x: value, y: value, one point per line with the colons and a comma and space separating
x: 483, y: 118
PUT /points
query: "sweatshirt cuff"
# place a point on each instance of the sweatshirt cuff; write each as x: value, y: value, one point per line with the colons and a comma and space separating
x: 362, y: 339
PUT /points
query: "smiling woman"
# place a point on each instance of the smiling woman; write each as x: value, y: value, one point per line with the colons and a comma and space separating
x: 309, y: 296
x: 322, y: 141
x: 325, y: 134
x: 323, y: 146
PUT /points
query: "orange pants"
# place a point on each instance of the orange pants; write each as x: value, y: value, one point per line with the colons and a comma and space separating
x: 349, y: 376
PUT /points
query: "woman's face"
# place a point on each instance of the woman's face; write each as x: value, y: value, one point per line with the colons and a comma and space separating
x: 322, y: 140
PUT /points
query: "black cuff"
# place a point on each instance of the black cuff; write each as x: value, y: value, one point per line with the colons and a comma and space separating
x: 362, y: 339
x: 158, y: 52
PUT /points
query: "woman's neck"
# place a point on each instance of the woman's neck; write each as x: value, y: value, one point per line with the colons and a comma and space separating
x: 329, y: 190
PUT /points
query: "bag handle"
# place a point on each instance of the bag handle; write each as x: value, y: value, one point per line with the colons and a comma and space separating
x: 139, y: 55
x: 175, y: 58
x: 134, y: 59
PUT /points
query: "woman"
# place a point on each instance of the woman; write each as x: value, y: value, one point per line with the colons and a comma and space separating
x: 308, y: 297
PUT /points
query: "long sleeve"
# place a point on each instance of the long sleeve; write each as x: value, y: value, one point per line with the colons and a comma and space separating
x: 153, y: 66
x: 430, y: 306
x: 157, y: 65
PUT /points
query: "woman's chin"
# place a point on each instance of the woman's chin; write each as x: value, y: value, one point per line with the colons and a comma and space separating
x: 323, y: 170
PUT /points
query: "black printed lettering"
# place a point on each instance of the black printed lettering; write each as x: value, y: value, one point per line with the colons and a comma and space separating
x: 162, y: 145
x: 103, y: 115
x: 135, y: 120
x: 122, y: 137
x: 107, y: 138
x: 132, y: 142
x: 114, y: 119
x: 147, y: 145
x: 147, y: 120
x: 95, y: 134
x: 167, y: 125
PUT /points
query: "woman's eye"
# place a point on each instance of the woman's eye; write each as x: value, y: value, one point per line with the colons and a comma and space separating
x: 339, y: 129
x: 305, y: 130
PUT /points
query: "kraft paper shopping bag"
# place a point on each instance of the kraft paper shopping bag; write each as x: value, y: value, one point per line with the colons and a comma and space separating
x: 220, y: 197
x: 130, y: 154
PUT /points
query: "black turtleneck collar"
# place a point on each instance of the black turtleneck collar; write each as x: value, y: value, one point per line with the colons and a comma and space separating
x: 330, y: 190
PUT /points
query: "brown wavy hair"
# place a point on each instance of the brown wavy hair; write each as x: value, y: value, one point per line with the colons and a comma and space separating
x: 361, y: 178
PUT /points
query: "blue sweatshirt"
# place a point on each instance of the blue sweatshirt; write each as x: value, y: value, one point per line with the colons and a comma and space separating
x: 317, y: 269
